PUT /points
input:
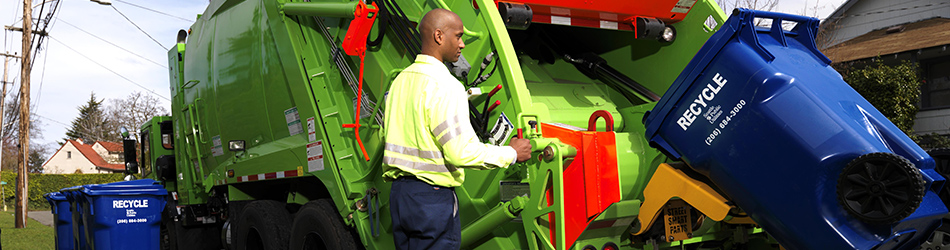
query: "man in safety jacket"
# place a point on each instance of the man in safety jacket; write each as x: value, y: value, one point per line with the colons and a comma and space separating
x: 429, y: 138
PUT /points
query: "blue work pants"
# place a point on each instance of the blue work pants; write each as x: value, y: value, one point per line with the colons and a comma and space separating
x: 424, y: 216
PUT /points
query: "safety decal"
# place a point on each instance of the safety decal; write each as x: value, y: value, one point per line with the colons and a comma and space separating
x: 501, y: 131
x: 683, y: 6
x: 216, y: 148
x: 315, y: 156
x: 311, y: 129
x: 293, y: 121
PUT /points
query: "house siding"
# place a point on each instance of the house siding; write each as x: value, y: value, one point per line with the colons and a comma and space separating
x: 862, y: 17
x: 60, y: 163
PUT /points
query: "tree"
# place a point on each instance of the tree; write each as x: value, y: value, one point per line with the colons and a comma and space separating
x: 38, y: 156
x: 11, y: 135
x: 133, y: 111
x: 92, y: 123
x: 766, y: 5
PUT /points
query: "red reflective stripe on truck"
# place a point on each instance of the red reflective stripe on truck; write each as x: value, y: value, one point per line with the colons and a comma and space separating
x: 268, y: 176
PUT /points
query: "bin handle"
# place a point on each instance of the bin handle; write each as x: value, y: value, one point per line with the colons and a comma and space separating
x: 592, y: 122
x: 805, y: 32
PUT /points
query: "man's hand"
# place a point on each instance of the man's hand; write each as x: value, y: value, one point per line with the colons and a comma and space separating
x: 522, y: 147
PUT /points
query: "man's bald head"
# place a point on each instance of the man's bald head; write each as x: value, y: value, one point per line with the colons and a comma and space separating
x: 441, y: 32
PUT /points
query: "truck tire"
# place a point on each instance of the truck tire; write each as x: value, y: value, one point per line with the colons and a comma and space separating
x: 318, y: 226
x: 263, y: 225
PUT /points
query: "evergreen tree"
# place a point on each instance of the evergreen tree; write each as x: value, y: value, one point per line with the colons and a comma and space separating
x: 92, y: 124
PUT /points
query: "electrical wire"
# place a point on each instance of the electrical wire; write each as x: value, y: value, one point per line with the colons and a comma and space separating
x: 110, y: 70
x: 111, y: 43
x: 152, y: 10
x: 140, y: 28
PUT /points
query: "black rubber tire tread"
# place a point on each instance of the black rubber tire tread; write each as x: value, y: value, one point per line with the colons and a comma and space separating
x: 320, y: 217
x: 269, y: 219
x: 914, y: 196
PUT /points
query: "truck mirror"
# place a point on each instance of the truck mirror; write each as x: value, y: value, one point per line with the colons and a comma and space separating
x: 236, y: 145
x: 131, y: 165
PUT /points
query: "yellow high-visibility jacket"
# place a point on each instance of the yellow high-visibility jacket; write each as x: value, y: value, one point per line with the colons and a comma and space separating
x: 428, y: 131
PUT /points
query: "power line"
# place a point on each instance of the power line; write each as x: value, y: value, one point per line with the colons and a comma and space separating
x: 159, y: 12
x: 110, y: 70
x: 113, y: 44
x: 137, y: 26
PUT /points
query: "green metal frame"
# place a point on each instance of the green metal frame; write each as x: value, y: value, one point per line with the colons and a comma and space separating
x: 251, y: 65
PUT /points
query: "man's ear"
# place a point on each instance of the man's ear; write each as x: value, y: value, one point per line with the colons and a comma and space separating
x: 438, y: 36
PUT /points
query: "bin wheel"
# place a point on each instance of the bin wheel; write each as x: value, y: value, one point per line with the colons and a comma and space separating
x: 880, y: 188
x: 263, y: 226
x: 317, y: 225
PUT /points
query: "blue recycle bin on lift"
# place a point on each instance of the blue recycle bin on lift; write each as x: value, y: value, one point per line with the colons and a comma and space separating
x: 62, y: 220
x: 762, y: 114
x: 123, y: 215
x: 78, y: 234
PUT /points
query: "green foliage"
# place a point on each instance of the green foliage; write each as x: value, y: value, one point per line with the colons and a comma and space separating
x: 893, y: 90
x: 932, y: 141
x: 41, y: 184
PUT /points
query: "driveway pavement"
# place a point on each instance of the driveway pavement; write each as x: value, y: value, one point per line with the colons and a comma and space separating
x: 44, y: 217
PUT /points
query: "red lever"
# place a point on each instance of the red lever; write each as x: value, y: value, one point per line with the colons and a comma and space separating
x: 493, y: 105
x: 493, y: 91
x: 354, y: 44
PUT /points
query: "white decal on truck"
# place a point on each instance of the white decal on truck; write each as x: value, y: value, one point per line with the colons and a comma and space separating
x: 701, y: 101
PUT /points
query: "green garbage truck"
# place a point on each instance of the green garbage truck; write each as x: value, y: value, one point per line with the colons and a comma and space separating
x: 275, y: 139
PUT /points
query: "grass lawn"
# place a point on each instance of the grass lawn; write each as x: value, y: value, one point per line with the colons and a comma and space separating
x: 34, y: 236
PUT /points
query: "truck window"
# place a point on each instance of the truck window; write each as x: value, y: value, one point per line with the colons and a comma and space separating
x: 145, y: 156
x: 166, y: 129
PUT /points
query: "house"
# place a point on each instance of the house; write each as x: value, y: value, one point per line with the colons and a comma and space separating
x: 75, y: 156
x: 861, y: 32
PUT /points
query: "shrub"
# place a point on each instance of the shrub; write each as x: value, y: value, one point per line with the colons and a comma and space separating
x: 893, y: 90
x: 40, y: 184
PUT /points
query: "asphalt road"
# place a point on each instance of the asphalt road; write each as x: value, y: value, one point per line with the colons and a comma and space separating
x: 44, y: 217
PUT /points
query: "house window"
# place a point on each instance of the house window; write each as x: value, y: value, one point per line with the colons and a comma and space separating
x: 69, y: 154
x: 935, y: 91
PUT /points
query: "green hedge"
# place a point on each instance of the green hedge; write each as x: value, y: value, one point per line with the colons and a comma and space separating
x: 41, y: 184
x: 893, y: 90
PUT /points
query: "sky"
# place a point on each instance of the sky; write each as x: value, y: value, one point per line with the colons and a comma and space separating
x: 62, y: 78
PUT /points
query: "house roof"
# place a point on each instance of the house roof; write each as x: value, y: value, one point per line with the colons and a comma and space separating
x: 93, y: 157
x: 918, y: 35
x: 111, y: 146
x: 838, y: 14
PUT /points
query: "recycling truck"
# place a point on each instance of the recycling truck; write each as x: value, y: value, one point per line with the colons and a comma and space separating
x: 653, y: 124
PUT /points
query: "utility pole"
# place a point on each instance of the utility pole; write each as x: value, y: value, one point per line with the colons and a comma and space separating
x: 24, y: 144
x: 3, y: 96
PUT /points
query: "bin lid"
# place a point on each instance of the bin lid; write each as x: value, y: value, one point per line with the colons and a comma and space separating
x: 136, y: 187
x: 56, y: 196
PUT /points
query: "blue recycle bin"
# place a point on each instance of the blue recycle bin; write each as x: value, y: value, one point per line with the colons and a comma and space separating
x: 123, y: 215
x: 74, y: 197
x: 762, y: 114
x: 62, y: 220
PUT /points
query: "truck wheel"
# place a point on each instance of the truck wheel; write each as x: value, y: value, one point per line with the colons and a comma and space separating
x: 263, y: 225
x: 319, y: 226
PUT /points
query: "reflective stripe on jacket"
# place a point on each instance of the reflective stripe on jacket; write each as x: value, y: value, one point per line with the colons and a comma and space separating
x: 428, y: 131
